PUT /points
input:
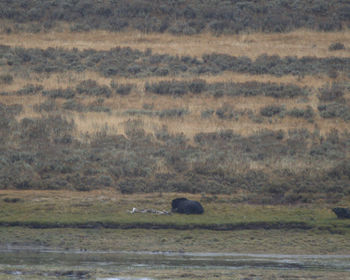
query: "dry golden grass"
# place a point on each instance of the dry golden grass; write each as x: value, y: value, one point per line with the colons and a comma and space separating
x: 92, y: 123
x: 297, y: 43
x: 27, y: 102
x: 191, y: 124
x: 71, y: 79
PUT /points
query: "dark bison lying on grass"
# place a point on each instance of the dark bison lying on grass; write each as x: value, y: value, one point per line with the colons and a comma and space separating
x: 342, y: 213
x: 186, y: 206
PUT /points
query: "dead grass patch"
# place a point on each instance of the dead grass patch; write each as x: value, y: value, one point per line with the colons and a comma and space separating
x: 93, y: 123
x: 297, y: 43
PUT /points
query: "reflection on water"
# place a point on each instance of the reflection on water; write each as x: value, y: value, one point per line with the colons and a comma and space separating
x: 172, y: 259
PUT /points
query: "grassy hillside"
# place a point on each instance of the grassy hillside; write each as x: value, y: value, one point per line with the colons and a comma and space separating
x: 219, y: 111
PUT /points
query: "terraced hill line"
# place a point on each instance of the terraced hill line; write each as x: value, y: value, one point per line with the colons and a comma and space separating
x: 297, y: 43
x: 127, y: 62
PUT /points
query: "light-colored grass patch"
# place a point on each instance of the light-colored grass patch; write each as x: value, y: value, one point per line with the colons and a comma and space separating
x: 189, y: 124
x: 297, y: 43
x: 72, y: 79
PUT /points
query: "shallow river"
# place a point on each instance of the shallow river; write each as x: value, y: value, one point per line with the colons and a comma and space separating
x: 19, y: 262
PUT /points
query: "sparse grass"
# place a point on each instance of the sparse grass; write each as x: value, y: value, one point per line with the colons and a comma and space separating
x: 189, y: 124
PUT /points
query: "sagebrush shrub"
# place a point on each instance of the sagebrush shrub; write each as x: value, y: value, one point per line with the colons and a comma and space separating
x: 336, y: 46
x: 6, y: 79
x: 331, y: 92
x: 91, y: 87
x: 271, y: 110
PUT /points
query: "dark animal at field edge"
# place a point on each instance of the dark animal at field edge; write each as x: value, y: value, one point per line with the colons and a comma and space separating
x: 342, y: 213
x: 186, y: 206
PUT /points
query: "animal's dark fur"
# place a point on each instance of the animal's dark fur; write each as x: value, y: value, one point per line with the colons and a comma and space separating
x: 342, y: 213
x: 186, y: 206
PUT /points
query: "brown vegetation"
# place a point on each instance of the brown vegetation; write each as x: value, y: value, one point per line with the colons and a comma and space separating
x: 297, y: 43
x: 220, y: 118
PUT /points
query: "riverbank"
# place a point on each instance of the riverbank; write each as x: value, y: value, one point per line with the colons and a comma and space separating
x: 99, y: 220
x: 41, y: 230
x: 37, y: 263
x: 109, y: 208
x: 243, y: 241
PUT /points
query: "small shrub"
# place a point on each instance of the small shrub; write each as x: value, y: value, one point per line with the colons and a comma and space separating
x: 6, y: 79
x: 105, y: 180
x: 255, y: 118
x: 134, y: 69
x: 271, y: 110
x: 12, y: 200
x: 10, y: 110
x: 73, y: 106
x: 134, y: 129
x: 130, y: 186
x: 30, y: 90
x: 336, y: 46
x: 98, y: 108
x: 80, y: 28
x: 122, y: 89
x: 333, y: 74
x: 47, y: 106
x: 307, y: 113
x: 168, y: 88
x: 173, y: 113
x: 284, y: 90
x: 340, y: 170
x: 182, y: 28
x: 24, y: 185
x: 56, y: 184
x: 197, y: 86
x: 91, y: 87
x: 218, y: 93
x: 226, y: 112
x: 334, y: 110
x: 255, y: 88
x: 292, y: 198
x: 331, y: 93
x: 147, y: 106
x: 207, y: 113
x: 277, y: 189
x: 59, y: 93
x: 136, y: 112
x: 52, y: 129
x: 162, y: 71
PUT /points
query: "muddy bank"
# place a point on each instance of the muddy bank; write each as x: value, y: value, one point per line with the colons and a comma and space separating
x: 35, y: 256
x: 261, y: 241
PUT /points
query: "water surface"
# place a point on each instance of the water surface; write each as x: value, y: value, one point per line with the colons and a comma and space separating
x: 17, y: 260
